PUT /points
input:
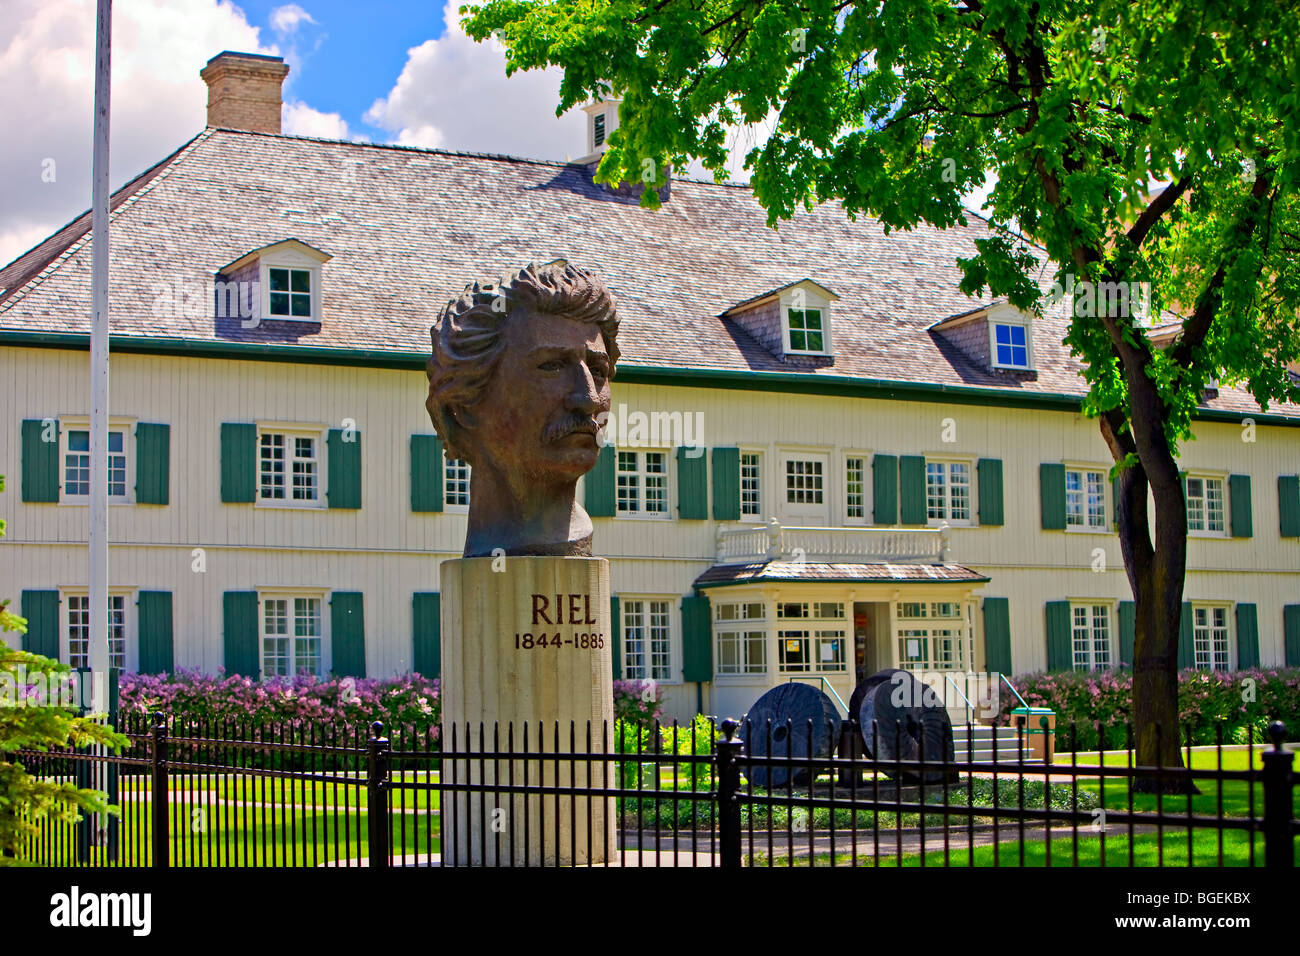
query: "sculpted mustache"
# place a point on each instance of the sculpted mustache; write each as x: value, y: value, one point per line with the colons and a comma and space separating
x: 569, y: 425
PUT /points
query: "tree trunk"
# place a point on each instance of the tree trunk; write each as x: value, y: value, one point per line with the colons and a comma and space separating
x: 1156, y: 577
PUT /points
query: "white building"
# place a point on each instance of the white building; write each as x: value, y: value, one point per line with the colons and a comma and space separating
x: 798, y: 414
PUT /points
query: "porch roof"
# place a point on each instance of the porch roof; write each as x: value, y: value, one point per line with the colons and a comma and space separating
x: 722, y: 575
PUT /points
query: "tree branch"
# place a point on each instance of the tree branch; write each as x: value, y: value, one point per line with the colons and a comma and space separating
x: 1159, y: 206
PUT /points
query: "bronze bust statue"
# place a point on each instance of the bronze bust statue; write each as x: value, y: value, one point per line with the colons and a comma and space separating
x: 518, y: 388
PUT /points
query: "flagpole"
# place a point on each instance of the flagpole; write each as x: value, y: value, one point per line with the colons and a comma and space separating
x: 98, y: 583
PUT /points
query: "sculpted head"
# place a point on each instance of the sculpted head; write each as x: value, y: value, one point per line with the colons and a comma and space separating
x: 519, y: 383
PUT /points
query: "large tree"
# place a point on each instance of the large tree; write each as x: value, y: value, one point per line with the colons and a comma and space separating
x: 899, y: 108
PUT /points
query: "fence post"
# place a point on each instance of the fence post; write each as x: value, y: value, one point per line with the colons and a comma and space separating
x: 377, y: 788
x: 161, y: 836
x: 729, y: 794
x: 1278, y: 806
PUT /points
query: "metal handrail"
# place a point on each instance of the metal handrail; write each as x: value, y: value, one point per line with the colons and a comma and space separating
x: 970, y: 708
x: 1003, y: 678
x: 826, y: 685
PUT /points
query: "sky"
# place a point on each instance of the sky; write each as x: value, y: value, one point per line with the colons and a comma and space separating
x: 379, y: 70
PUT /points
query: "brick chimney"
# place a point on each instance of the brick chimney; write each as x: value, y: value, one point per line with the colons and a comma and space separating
x: 244, y: 91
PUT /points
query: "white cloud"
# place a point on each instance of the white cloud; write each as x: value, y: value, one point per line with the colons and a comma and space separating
x: 286, y: 19
x: 299, y: 119
x: 47, y: 54
x: 454, y: 93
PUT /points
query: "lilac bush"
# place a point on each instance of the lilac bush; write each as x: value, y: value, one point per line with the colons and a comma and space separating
x: 1240, y: 702
x: 410, y: 700
x: 637, y: 701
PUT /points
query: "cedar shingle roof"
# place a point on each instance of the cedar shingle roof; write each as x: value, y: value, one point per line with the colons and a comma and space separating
x: 409, y: 227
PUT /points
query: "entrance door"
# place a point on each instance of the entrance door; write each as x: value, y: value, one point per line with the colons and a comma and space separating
x: 864, y: 643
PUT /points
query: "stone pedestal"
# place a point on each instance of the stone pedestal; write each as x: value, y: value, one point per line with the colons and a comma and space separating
x: 526, y: 667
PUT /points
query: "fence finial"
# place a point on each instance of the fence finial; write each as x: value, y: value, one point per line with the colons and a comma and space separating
x: 376, y: 730
x: 728, y: 728
x: 1277, y: 730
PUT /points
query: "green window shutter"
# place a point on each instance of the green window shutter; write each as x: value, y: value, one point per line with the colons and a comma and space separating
x: 1114, y: 503
x: 152, y: 463
x: 348, y: 634
x: 344, y: 469
x: 697, y: 640
x: 989, y: 474
x: 1060, y: 654
x: 616, y: 645
x: 238, y: 462
x: 426, y: 612
x: 726, y: 484
x: 1247, y: 636
x: 1051, y: 495
x: 156, y: 636
x: 1127, y: 631
x: 997, y: 635
x: 599, y: 484
x: 427, y: 465
x: 692, y: 483
x: 41, y: 608
x: 1186, y: 638
x: 884, y: 489
x: 1243, y: 525
x: 40, y: 462
x: 911, y: 488
x: 1288, y: 505
x: 1291, y: 634
x: 240, y: 633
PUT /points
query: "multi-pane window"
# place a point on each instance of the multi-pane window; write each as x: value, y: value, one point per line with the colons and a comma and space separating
x: 1011, y: 347
x: 811, y: 648
x: 1085, y: 499
x: 855, y: 488
x: 1210, y: 637
x: 806, y: 331
x: 751, y: 485
x: 803, y: 650
x: 291, y: 636
x: 804, y: 481
x: 930, y: 635
x: 647, y: 640
x: 642, y: 486
x: 742, y: 652
x: 456, y: 482
x: 79, y: 630
x: 1205, y: 504
x: 947, y: 490
x: 290, y: 291
x: 1090, y: 636
x: 289, y: 468
x: 76, y: 463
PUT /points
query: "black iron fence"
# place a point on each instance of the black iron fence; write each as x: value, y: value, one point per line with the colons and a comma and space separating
x: 223, y: 794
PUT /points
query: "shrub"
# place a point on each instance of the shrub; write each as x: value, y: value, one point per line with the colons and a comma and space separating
x: 1209, y: 702
x: 637, y: 701
x: 189, y: 698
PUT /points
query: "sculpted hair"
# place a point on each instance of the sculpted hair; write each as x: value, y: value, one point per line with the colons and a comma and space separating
x: 467, y: 339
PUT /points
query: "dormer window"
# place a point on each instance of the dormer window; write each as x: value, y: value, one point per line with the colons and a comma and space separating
x: 1010, y: 341
x: 792, y: 320
x: 290, y: 292
x: 598, y: 129
x: 279, y: 283
x: 805, y: 331
x: 1009, y: 345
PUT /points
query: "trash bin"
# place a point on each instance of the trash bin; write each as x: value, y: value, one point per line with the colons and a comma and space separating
x: 1040, y: 741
